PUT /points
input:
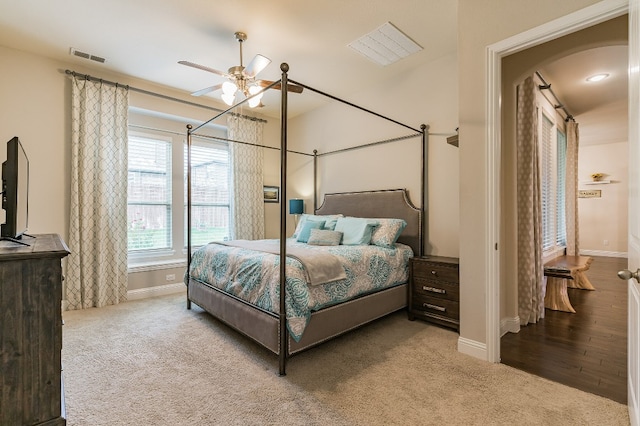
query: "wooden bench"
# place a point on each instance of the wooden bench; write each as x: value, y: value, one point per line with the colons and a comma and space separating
x: 563, y: 272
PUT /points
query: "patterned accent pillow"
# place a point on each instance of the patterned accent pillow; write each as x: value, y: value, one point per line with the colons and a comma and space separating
x: 387, y: 232
x: 309, y: 225
x: 324, y: 237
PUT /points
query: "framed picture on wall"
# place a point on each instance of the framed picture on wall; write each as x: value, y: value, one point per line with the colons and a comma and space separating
x: 271, y: 194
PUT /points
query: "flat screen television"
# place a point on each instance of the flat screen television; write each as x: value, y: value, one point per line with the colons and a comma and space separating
x: 15, y: 192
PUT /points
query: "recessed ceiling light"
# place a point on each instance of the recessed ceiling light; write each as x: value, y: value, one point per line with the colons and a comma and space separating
x: 597, y: 77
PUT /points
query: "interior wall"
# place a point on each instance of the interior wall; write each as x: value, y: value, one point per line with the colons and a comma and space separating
x: 35, y: 105
x: 427, y: 95
x: 514, y: 69
x: 482, y: 23
x: 603, y: 220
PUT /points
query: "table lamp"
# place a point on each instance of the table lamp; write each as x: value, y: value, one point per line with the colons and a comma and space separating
x: 296, y: 207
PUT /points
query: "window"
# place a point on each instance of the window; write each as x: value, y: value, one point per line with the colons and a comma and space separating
x: 210, y: 195
x: 561, y: 217
x: 553, y: 148
x: 149, y: 194
x: 157, y: 196
x: 547, y: 181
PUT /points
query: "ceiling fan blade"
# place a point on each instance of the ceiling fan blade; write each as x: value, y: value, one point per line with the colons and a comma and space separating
x: 203, y: 68
x: 206, y: 90
x: 290, y: 87
x: 257, y: 64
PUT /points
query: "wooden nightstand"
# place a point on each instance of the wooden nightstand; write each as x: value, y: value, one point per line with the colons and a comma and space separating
x: 434, y: 290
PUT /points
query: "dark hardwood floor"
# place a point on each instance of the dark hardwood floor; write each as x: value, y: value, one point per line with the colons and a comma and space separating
x: 586, y: 350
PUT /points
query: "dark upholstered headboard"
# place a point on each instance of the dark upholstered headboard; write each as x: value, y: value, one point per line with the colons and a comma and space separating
x: 389, y: 203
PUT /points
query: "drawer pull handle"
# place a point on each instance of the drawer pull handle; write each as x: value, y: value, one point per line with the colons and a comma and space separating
x: 434, y: 290
x: 436, y: 307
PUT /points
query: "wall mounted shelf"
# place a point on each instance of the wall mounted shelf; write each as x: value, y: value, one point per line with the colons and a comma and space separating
x: 597, y: 182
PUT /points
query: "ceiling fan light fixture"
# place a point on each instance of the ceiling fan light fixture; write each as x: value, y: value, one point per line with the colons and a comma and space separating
x: 228, y: 98
x: 254, y: 89
x: 256, y: 92
x: 229, y: 88
x: 254, y: 102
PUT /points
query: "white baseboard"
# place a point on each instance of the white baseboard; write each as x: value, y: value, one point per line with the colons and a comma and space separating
x: 160, y: 290
x: 473, y: 348
x: 509, y: 325
x: 603, y: 253
x: 144, y: 293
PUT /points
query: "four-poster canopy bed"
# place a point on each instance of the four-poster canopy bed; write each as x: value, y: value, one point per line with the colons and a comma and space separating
x: 320, y: 304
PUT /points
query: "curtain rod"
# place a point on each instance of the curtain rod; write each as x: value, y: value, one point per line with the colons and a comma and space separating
x: 157, y: 95
x: 547, y: 86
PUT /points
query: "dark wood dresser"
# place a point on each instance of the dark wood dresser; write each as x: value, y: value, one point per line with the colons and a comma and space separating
x: 31, y: 331
x: 434, y: 290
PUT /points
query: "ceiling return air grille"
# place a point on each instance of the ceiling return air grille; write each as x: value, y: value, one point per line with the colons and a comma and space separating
x: 385, y: 45
x: 75, y: 52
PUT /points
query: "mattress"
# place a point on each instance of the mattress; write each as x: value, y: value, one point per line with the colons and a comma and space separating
x: 254, y: 276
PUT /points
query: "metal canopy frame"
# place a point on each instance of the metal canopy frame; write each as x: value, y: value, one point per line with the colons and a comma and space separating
x: 284, y: 82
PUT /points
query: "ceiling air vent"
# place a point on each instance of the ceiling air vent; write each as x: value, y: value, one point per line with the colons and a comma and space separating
x: 385, y: 45
x: 75, y: 52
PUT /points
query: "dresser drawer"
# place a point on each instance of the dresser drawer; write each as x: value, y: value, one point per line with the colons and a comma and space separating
x: 434, y: 305
x: 433, y: 288
x: 435, y: 271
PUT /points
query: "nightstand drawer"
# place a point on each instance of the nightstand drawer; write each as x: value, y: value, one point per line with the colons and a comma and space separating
x: 434, y: 290
x: 440, y: 289
x: 434, y: 305
x: 436, y: 271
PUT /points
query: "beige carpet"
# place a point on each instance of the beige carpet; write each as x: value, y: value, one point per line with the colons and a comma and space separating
x: 153, y: 362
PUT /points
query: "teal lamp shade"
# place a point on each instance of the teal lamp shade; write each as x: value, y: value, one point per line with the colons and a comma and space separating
x: 296, y: 206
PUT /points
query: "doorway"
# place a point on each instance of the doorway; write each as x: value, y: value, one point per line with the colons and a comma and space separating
x: 560, y: 359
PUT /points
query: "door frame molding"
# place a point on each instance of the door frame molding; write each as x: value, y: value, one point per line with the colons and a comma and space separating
x: 581, y: 19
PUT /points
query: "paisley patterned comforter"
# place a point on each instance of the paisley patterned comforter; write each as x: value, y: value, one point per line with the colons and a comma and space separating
x: 254, y: 276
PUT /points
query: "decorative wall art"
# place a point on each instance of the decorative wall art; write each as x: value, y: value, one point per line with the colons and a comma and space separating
x: 271, y: 194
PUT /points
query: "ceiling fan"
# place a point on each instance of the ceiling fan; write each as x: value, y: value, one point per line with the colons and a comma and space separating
x: 241, y: 79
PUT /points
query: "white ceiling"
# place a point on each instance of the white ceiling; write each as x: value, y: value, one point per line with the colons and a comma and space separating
x: 600, y: 108
x: 147, y: 38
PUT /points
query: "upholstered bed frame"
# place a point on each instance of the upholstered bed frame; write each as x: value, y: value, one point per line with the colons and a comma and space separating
x: 263, y: 326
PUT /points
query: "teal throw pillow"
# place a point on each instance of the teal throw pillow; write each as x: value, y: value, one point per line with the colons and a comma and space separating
x: 329, y: 221
x: 356, y: 230
x: 303, y: 236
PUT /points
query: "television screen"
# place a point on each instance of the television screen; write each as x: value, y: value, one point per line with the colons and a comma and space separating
x: 15, y: 191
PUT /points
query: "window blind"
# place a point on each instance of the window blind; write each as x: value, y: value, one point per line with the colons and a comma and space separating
x: 210, y: 193
x: 561, y: 215
x: 548, y: 201
x: 149, y: 194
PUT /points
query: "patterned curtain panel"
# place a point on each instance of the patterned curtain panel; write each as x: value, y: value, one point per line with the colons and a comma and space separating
x: 530, y: 268
x: 247, y: 178
x: 571, y: 196
x: 97, y: 267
